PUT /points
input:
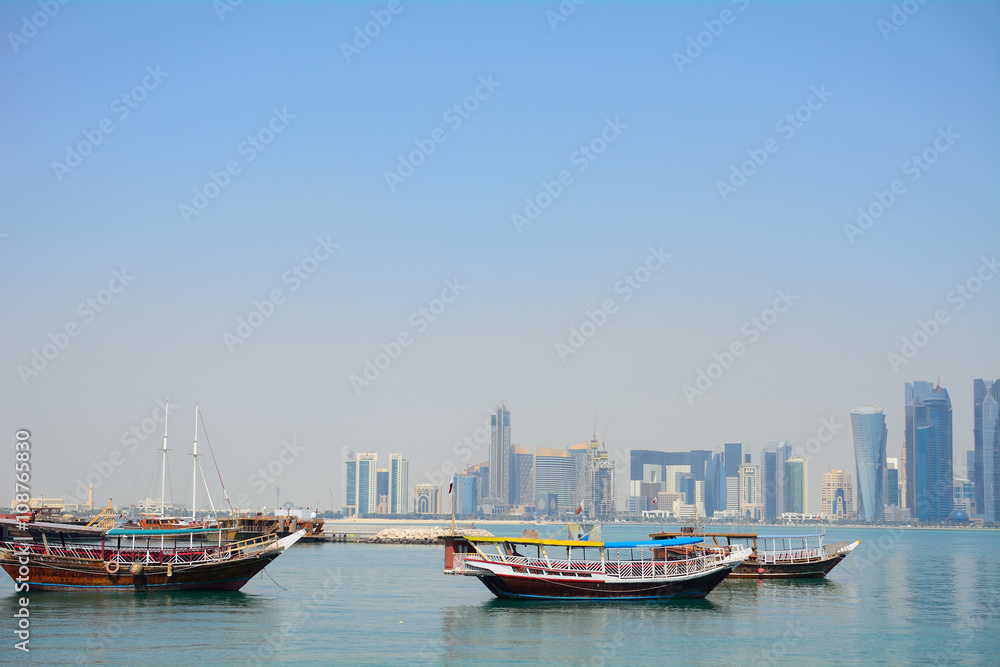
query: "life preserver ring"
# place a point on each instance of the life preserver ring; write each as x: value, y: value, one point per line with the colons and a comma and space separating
x: 111, y: 566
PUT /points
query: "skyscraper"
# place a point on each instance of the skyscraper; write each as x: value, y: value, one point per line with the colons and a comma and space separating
x: 769, y: 482
x: 367, y: 482
x: 733, y: 460
x: 892, y: 482
x: 796, y: 486
x: 751, y: 505
x: 836, y: 495
x: 555, y: 472
x: 399, y: 484
x: 524, y: 477
x: 350, y: 483
x: 501, y: 457
x: 868, y: 425
x: 382, y: 491
x: 929, y: 451
x: 986, y: 476
x: 715, y: 485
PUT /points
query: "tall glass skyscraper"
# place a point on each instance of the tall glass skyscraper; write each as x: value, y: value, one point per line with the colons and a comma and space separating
x: 399, y: 484
x: 769, y: 474
x: 501, y: 457
x: 986, y: 475
x: 868, y: 424
x: 796, y: 485
x: 928, y: 451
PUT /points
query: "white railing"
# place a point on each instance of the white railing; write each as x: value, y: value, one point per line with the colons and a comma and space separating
x: 125, y: 556
x: 631, y: 569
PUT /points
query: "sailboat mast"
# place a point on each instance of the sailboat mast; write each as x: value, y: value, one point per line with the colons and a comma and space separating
x: 194, y: 468
x: 163, y: 464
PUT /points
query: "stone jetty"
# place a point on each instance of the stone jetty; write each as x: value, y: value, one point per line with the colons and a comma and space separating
x: 433, y: 535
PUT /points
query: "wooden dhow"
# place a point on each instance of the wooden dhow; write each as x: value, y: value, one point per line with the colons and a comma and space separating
x: 547, y: 569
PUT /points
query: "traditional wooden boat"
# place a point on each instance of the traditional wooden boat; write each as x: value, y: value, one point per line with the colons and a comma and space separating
x: 226, y: 567
x: 775, y: 556
x: 540, y: 569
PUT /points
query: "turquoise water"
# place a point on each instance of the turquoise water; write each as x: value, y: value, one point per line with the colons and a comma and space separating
x: 902, y: 597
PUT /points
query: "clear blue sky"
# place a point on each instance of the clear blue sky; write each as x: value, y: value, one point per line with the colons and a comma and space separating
x: 343, y: 125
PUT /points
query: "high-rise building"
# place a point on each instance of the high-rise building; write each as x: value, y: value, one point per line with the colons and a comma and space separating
x: 986, y: 476
x: 836, y: 495
x: 751, y: 498
x: 929, y: 451
x: 892, y: 482
x: 367, y: 483
x: 868, y: 425
x: 350, y: 483
x: 784, y: 450
x: 427, y: 499
x: 466, y: 494
x: 524, y: 477
x: 501, y: 457
x: 555, y: 472
x: 796, y: 486
x: 382, y: 491
x: 962, y: 498
x: 399, y: 484
x: 769, y: 483
x: 715, y: 485
x: 733, y: 458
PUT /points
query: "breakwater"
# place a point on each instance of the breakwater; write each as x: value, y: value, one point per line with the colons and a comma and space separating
x: 404, y: 535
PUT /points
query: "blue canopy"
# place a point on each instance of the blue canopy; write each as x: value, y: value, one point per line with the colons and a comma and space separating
x: 676, y: 542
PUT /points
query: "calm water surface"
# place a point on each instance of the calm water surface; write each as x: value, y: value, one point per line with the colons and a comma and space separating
x: 902, y: 597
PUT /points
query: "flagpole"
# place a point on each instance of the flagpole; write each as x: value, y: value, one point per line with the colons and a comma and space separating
x: 451, y: 488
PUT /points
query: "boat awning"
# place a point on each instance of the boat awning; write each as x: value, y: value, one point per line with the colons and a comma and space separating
x: 649, y: 544
x: 530, y: 540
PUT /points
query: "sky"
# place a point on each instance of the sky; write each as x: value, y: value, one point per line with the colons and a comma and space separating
x: 364, y: 225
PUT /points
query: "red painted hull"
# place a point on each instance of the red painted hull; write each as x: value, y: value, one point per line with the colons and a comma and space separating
x: 558, y: 588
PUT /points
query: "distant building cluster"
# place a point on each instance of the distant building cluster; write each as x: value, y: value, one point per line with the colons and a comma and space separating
x: 719, y: 485
x: 920, y: 484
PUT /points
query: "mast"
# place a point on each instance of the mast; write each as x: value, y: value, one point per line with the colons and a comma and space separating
x: 194, y: 468
x: 163, y: 465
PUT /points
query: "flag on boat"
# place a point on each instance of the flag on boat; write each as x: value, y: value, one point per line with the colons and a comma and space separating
x: 451, y: 484
x: 654, y: 500
x: 579, y: 508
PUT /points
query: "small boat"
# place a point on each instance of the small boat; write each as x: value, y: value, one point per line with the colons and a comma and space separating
x: 547, y: 569
x: 226, y: 567
x: 775, y: 556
